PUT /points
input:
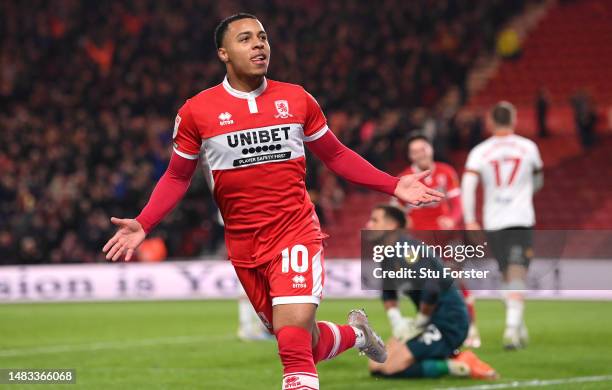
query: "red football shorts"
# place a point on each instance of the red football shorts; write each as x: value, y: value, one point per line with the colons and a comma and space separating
x: 296, y: 275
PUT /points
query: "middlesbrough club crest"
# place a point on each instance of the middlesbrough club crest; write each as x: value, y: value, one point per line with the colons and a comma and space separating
x: 282, y: 107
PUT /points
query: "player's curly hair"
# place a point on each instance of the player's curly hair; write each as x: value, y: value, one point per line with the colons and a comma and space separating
x: 221, y: 28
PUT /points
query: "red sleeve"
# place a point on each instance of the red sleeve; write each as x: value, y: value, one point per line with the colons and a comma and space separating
x: 346, y: 163
x: 456, y: 210
x: 454, y: 187
x: 186, y: 138
x: 169, y: 190
x: 453, y: 192
x: 315, y: 123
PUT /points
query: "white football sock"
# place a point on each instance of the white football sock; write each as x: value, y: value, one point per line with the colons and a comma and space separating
x: 514, y: 312
x: 245, y: 314
x: 360, y: 339
x: 300, y: 380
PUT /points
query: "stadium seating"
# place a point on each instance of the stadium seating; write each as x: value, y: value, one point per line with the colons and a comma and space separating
x: 578, y: 187
x: 569, y: 50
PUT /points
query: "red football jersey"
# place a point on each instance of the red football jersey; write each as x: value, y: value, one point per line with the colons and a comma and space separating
x: 443, y: 178
x: 254, y: 146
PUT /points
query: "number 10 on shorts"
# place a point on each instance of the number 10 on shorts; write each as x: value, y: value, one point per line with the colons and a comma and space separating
x: 296, y: 258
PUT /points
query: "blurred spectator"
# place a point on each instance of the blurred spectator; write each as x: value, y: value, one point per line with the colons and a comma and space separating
x: 542, y: 104
x: 152, y: 250
x: 8, y: 252
x: 476, y: 133
x: 29, y: 251
x: 585, y: 117
x: 89, y: 90
x: 508, y: 44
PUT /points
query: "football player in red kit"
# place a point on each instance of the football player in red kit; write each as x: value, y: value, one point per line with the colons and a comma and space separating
x: 252, y: 131
x: 445, y: 215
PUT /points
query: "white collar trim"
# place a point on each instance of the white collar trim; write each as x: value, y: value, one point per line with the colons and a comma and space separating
x: 244, y: 95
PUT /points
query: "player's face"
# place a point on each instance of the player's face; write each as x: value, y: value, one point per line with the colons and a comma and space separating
x: 420, y: 154
x: 246, y: 48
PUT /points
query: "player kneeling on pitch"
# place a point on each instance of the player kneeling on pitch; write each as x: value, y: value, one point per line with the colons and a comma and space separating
x: 426, y: 346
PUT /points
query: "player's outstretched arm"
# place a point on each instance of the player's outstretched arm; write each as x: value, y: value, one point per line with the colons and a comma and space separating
x: 346, y: 163
x: 170, y: 189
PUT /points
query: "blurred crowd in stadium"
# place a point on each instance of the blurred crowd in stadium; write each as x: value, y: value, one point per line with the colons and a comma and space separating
x: 89, y: 90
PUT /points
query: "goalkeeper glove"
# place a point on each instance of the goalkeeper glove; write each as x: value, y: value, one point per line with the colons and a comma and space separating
x: 403, y: 328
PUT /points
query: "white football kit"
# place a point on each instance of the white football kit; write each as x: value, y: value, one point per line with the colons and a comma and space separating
x: 506, y: 166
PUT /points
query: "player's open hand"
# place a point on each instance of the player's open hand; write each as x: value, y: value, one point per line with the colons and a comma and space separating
x: 129, y: 235
x: 412, y: 191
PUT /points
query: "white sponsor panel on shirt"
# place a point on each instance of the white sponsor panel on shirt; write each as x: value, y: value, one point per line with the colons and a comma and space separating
x: 255, y: 146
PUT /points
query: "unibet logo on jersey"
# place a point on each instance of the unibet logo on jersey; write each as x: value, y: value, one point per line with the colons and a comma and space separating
x: 258, y: 141
x: 254, y: 146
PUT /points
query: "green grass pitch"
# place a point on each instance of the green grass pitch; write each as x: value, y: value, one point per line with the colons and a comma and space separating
x: 192, y: 345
